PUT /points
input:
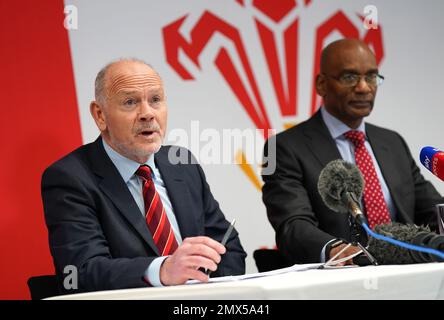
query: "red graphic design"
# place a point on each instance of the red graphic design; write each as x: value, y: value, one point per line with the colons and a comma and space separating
x: 207, y: 26
x: 286, y: 96
x: 283, y: 74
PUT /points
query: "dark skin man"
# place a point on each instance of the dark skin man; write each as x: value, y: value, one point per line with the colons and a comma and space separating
x: 343, y: 63
x: 307, y: 231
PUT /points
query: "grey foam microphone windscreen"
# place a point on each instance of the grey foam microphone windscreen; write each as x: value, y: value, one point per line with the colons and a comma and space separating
x: 335, y: 180
x: 387, y: 253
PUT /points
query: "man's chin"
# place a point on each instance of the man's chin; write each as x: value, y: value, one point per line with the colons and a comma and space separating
x: 361, y: 112
x: 150, y: 149
x: 141, y: 155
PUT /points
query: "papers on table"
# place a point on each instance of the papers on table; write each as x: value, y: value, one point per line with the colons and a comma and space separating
x: 294, y: 268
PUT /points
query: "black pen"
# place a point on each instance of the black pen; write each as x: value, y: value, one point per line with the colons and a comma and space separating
x: 225, y: 238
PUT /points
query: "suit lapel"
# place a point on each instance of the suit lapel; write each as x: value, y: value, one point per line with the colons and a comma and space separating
x: 115, y: 188
x: 387, y: 163
x: 321, y: 142
x: 174, y: 179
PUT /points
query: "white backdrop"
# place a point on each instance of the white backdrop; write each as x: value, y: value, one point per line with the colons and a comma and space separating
x: 408, y: 102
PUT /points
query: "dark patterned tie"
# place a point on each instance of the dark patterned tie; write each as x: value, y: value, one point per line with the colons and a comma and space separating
x: 156, y: 217
x: 376, y: 208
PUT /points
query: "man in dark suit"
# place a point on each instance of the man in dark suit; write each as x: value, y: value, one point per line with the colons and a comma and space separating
x: 306, y: 230
x: 126, y: 211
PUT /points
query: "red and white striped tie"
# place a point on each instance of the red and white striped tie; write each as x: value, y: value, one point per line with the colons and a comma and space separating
x: 375, y: 206
x: 156, y: 217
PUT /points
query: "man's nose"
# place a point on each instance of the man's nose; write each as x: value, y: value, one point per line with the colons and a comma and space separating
x: 146, y: 112
x: 362, y: 86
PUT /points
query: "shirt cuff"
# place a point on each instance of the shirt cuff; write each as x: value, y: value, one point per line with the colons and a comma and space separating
x: 152, y: 273
x: 322, y: 260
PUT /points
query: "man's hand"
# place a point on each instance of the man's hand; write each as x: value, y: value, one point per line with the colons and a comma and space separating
x: 351, y: 250
x: 192, y: 254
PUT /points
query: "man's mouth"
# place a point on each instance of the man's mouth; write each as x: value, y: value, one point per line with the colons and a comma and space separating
x: 147, y: 133
x: 361, y: 103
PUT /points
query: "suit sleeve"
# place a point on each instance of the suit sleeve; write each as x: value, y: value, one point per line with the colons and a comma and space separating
x: 77, y: 239
x: 426, y: 196
x: 289, y: 208
x: 233, y: 261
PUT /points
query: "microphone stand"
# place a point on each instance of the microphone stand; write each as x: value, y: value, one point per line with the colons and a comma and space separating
x: 355, y: 237
x: 355, y: 240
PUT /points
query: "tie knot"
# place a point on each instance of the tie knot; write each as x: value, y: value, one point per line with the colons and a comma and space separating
x: 356, y: 137
x: 144, y: 172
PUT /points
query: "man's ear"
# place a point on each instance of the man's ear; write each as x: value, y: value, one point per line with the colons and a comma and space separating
x: 97, y: 113
x: 320, y: 85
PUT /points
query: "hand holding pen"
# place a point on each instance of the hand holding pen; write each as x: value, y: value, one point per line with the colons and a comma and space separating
x: 193, y: 254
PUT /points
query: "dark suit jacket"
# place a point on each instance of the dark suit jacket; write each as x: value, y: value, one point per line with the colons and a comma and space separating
x: 95, y: 224
x: 302, y: 222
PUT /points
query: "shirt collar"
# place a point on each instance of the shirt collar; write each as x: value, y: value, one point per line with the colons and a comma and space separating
x: 336, y: 127
x: 125, y: 166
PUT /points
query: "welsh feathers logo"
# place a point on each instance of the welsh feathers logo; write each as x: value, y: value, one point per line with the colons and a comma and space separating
x: 278, y: 26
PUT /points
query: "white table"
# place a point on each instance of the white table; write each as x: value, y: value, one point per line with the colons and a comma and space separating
x: 418, y: 281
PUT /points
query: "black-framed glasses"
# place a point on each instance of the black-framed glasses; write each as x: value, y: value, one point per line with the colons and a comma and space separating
x: 352, y: 79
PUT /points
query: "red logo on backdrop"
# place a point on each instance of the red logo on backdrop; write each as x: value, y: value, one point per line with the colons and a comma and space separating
x: 283, y: 74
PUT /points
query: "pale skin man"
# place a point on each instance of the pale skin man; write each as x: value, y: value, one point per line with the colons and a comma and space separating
x: 131, y: 114
x: 348, y: 104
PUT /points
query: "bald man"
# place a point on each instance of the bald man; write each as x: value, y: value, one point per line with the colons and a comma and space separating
x: 122, y: 210
x: 306, y: 230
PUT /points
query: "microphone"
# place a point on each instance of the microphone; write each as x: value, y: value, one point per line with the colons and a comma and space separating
x: 433, y: 160
x: 387, y: 253
x: 341, y: 185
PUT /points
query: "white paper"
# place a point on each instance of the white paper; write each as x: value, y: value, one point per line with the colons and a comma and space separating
x: 294, y: 268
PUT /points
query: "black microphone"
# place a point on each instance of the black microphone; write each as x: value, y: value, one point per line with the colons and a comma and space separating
x: 341, y: 185
x: 387, y: 253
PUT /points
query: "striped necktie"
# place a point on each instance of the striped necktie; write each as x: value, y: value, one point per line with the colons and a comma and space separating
x: 156, y: 217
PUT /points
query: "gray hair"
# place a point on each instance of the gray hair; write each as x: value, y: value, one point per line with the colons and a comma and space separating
x: 101, y: 77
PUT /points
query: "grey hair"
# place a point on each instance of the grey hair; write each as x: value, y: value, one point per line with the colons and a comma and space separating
x: 99, y: 88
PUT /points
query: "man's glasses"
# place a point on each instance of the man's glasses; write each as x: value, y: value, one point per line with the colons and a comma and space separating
x: 352, y: 79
